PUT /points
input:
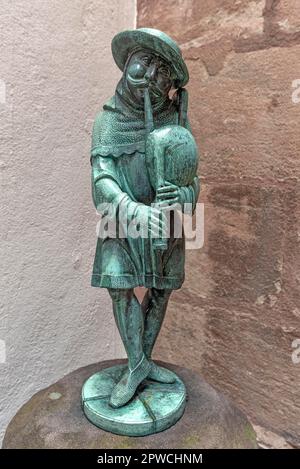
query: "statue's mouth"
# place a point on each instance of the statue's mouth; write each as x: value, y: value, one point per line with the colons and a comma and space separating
x: 142, y: 84
x: 138, y: 83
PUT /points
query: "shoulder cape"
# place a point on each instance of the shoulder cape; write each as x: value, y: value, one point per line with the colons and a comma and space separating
x: 116, y: 132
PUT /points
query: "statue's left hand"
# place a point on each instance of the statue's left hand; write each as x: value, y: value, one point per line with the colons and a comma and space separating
x: 169, y: 194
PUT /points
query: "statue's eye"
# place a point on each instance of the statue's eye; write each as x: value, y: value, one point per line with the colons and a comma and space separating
x: 145, y: 59
x: 164, y: 71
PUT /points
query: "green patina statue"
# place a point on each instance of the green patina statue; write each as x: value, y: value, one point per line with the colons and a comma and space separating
x: 144, y: 160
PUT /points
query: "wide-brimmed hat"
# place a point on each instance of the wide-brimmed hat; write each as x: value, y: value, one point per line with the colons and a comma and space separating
x: 158, y: 42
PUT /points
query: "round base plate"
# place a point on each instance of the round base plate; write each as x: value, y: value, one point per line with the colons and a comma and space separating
x: 154, y: 408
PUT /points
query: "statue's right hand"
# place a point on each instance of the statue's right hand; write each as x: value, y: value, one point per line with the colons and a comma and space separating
x: 153, y: 220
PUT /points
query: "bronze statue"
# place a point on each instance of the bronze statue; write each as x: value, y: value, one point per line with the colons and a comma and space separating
x: 144, y: 159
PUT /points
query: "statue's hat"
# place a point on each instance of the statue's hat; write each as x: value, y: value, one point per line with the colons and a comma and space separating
x: 125, y: 42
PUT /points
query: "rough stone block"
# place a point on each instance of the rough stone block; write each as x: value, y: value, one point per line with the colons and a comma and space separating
x: 53, y: 418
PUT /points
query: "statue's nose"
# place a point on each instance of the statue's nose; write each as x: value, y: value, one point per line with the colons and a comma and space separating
x: 151, y: 71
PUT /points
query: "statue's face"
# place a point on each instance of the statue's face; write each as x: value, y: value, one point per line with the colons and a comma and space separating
x: 145, y: 69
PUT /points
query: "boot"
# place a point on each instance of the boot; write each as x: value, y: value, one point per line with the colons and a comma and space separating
x: 127, y: 386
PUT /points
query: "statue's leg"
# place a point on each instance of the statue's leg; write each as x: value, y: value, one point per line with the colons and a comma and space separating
x: 130, y: 322
x: 154, y: 307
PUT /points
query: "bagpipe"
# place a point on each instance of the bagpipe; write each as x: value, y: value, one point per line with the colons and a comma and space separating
x: 171, y: 151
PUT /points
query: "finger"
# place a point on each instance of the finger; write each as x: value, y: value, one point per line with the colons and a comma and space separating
x: 168, y: 190
x: 155, y: 212
x: 155, y: 220
x: 168, y: 183
x: 161, y: 224
x: 154, y: 223
x: 161, y: 233
x: 168, y: 202
x: 165, y: 189
x: 166, y: 195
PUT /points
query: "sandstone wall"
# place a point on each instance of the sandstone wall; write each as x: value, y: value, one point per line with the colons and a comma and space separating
x: 239, y: 311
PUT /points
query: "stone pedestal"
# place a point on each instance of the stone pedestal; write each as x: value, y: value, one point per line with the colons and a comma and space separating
x: 53, y: 418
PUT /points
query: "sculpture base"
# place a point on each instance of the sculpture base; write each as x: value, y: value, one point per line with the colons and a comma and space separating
x: 154, y: 408
x: 53, y: 418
